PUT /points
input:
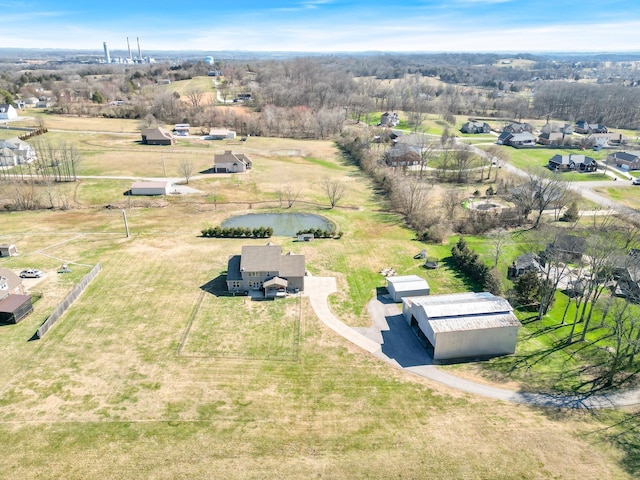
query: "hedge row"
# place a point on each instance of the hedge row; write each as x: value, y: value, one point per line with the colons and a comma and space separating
x: 237, y: 232
x: 319, y: 233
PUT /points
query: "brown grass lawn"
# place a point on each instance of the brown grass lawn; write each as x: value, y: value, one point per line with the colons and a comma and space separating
x: 150, y: 375
x: 106, y: 391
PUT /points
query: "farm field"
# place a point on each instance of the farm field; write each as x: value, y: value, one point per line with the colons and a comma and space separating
x: 152, y: 373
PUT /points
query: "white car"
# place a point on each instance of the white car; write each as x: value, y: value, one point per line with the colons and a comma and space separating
x: 31, y: 273
x: 635, y: 181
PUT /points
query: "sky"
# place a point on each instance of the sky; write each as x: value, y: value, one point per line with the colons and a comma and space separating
x: 325, y: 25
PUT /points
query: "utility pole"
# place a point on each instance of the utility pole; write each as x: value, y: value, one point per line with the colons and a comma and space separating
x: 164, y: 169
x: 126, y: 225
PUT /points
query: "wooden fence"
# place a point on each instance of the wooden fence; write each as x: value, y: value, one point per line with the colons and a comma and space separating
x: 68, y: 300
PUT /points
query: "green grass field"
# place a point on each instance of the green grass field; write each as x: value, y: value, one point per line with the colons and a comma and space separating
x: 150, y: 374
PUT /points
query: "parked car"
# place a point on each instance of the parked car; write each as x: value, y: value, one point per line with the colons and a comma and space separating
x: 31, y: 273
x: 635, y: 181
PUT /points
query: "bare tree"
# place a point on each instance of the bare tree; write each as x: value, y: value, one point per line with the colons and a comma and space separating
x: 185, y: 169
x: 289, y: 194
x: 499, y: 242
x: 540, y: 191
x: 334, y: 190
x: 195, y: 97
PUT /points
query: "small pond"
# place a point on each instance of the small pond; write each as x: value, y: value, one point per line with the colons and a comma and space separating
x: 283, y: 224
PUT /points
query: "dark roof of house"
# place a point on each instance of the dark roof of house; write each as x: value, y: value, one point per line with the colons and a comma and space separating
x: 402, y: 149
x: 570, y: 243
x: 292, y: 265
x: 571, y: 158
x: 157, y: 133
x: 269, y: 258
x: 13, y: 302
x: 528, y: 261
x: 627, y: 156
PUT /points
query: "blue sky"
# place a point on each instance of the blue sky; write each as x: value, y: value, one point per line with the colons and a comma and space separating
x: 325, y: 25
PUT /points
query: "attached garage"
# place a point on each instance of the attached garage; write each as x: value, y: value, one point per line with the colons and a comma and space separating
x: 406, y: 286
x: 463, y: 325
x: 150, y: 188
x: 14, y: 308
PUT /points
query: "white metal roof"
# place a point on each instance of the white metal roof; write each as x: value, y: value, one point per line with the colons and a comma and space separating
x: 460, y: 304
x: 457, y: 324
x: 407, y: 283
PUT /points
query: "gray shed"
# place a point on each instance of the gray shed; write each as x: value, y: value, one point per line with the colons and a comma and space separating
x: 8, y: 250
x: 406, y: 286
x: 463, y: 325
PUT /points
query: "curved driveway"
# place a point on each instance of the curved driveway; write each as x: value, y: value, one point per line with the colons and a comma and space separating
x: 391, y: 339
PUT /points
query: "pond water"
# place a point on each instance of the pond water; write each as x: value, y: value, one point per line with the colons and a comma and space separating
x: 283, y: 224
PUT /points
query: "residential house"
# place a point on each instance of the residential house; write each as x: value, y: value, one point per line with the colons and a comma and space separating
x: 221, y: 134
x: 524, y: 139
x: 157, y: 136
x: 15, y: 304
x: 402, y: 155
x: 463, y: 325
x: 229, y: 162
x: 604, y: 139
x: 567, y: 248
x: 7, y: 111
x: 10, y: 284
x: 389, y: 119
x: 43, y: 104
x: 627, y: 276
x: 516, y: 127
x: 625, y: 160
x: 473, y: 126
x: 265, y: 268
x: 551, y: 138
x: 580, y: 163
x: 584, y: 127
x: 524, y: 263
x: 16, y: 152
x: 182, y: 129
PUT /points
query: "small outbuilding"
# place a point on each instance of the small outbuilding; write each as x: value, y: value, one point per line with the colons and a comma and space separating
x: 150, y: 188
x: 14, y: 308
x: 8, y: 250
x: 406, y: 286
x: 463, y: 325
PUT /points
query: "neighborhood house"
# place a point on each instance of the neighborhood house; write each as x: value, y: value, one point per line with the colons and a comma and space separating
x: 8, y: 250
x: 229, y: 162
x: 157, y: 136
x: 16, y: 152
x: 625, y: 160
x: 475, y: 127
x: 7, y: 112
x: 572, y: 161
x: 463, y: 325
x: 15, y: 304
x: 265, y: 268
x: 402, y: 155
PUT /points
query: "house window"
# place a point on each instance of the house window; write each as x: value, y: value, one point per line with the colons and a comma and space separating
x: 234, y: 284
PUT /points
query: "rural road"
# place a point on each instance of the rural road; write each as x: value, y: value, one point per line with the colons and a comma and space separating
x: 391, y: 339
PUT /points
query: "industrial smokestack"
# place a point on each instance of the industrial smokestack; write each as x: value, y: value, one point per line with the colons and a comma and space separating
x: 129, y: 48
x: 139, y: 52
x: 107, y: 58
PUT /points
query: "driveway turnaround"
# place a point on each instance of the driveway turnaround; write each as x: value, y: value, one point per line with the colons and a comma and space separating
x: 391, y: 339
